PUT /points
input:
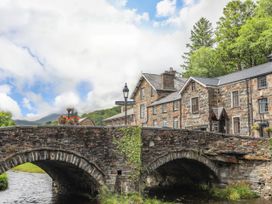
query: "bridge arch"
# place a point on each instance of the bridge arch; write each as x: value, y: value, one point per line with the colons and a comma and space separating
x: 180, y: 168
x: 70, y: 172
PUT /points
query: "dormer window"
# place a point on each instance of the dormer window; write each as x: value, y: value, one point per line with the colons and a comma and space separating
x: 262, y: 83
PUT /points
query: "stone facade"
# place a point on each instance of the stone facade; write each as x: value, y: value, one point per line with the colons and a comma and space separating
x: 220, y: 159
x: 80, y: 159
x: 168, y: 113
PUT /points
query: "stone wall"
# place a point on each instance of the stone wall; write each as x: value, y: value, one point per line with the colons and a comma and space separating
x: 231, y: 158
x: 92, y: 144
x: 191, y: 120
x: 169, y: 115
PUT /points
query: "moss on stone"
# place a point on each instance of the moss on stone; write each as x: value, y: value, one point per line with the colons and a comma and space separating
x: 3, y: 181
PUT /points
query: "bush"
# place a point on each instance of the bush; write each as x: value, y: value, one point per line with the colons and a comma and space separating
x: 3, y: 182
x: 106, y: 197
x: 235, y: 191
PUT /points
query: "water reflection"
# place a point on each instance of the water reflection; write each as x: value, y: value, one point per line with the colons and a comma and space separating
x: 27, y: 188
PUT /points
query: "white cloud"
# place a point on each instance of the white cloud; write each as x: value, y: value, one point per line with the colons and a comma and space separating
x: 10, y: 105
x: 166, y: 7
x: 5, y: 89
x: 88, y: 41
x: 27, y: 104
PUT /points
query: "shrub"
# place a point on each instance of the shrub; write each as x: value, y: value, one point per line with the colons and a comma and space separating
x: 234, y: 191
x: 3, y: 182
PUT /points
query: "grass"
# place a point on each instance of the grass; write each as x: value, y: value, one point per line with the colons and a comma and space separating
x: 28, y: 167
x: 233, y: 192
x: 3, y: 181
x: 105, y: 197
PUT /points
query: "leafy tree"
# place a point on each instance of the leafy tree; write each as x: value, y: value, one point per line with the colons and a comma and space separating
x: 205, y: 62
x: 235, y: 14
x: 264, y: 8
x: 5, y: 119
x: 255, y: 41
x: 201, y: 36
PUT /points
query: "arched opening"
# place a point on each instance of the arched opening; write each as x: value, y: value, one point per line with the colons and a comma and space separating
x: 71, y: 173
x: 180, y: 175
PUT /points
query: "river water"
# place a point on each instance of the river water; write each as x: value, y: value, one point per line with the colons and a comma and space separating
x: 28, y: 188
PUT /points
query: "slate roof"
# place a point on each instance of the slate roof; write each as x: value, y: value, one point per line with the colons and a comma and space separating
x: 169, y: 98
x: 156, y: 82
x: 246, y: 73
x: 236, y: 76
x: 120, y: 115
x: 218, y: 112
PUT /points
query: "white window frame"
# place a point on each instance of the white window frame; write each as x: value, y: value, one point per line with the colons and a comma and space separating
x: 142, y: 112
x: 258, y: 80
x: 178, y: 105
x: 176, y: 119
x: 192, y: 105
x: 164, y: 121
x: 232, y: 105
x: 164, y: 108
x: 154, y: 110
x: 155, y: 123
x: 233, y: 124
x: 142, y: 93
x: 260, y: 106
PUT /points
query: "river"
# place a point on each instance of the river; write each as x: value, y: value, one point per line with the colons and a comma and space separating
x: 28, y: 188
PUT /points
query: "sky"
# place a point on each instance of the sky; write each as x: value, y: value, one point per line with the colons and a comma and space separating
x: 79, y: 53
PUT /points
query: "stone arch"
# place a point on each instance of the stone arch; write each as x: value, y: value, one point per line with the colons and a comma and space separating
x: 46, y: 156
x: 171, y: 156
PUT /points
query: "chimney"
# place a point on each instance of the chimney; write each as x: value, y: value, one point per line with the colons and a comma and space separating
x: 269, y: 57
x: 167, y: 79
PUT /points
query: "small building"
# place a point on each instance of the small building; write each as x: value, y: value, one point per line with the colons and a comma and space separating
x: 119, y: 119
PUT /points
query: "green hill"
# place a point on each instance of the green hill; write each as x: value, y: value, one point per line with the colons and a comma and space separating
x: 99, y: 115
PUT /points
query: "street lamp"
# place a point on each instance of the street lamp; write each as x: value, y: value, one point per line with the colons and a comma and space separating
x: 125, y: 93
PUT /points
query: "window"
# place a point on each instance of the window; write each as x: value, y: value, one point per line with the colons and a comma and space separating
x: 263, y: 105
x: 152, y: 91
x: 142, y: 93
x: 262, y: 82
x: 164, y: 122
x: 142, y: 111
x: 164, y: 108
x: 175, y: 123
x: 235, y: 99
x: 195, y: 105
x: 236, y: 125
x: 154, y: 110
x: 193, y: 86
x: 155, y: 123
x: 175, y: 105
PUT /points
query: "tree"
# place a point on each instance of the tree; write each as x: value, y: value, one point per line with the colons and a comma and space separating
x: 205, y: 62
x: 201, y: 36
x: 235, y: 14
x: 264, y: 8
x: 255, y: 41
x: 5, y: 119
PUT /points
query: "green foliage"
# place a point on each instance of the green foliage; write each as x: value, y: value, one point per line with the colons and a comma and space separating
x: 264, y: 8
x: 3, y: 181
x: 28, y: 167
x: 130, y: 146
x: 205, y: 63
x: 5, y: 119
x: 201, y: 36
x: 235, y: 191
x: 100, y: 115
x: 235, y: 14
x: 106, y: 197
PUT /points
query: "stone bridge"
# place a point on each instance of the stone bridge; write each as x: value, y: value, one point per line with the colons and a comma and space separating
x: 82, y: 159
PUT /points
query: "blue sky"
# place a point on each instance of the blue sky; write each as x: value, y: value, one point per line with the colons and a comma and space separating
x: 79, y: 53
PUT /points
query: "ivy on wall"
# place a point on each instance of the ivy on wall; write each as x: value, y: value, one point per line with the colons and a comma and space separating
x: 130, y: 145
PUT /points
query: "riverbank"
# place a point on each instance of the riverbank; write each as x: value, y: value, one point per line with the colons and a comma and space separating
x: 3, y: 182
x: 28, y: 167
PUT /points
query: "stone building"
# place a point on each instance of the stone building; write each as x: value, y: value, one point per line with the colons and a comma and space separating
x: 86, y: 122
x: 232, y: 103
x: 119, y: 119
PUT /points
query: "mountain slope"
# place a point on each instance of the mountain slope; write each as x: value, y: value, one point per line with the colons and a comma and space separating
x: 41, y: 121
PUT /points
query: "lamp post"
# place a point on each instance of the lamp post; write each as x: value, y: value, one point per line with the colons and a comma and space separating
x: 125, y: 93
